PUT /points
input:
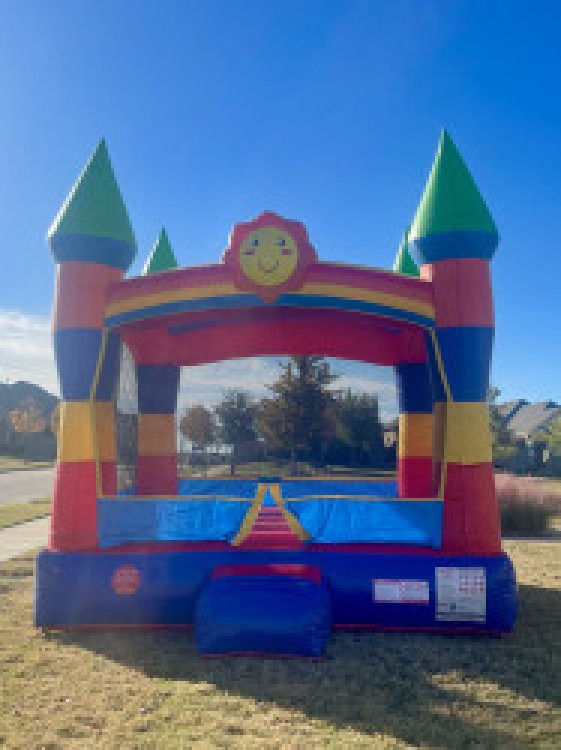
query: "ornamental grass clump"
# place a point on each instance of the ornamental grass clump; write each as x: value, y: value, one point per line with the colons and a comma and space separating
x: 526, y: 504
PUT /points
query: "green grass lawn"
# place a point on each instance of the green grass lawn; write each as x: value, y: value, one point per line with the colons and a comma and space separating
x: 10, y: 515
x: 8, y: 463
x: 271, y: 468
x: 131, y: 689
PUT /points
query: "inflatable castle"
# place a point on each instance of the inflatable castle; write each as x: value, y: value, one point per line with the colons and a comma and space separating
x: 272, y: 565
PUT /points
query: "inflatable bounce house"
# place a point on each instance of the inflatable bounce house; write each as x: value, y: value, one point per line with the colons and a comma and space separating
x: 272, y: 565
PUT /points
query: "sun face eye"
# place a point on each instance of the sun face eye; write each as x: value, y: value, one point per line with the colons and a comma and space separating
x: 281, y: 242
x: 254, y: 242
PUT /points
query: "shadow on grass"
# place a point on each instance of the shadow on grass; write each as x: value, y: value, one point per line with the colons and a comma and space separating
x: 419, y: 688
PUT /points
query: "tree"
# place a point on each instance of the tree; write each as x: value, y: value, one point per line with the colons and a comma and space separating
x: 197, y: 425
x: 298, y: 416
x: 6, y: 431
x: 551, y: 435
x: 357, y: 427
x: 27, y: 417
x: 500, y: 433
x: 236, y: 415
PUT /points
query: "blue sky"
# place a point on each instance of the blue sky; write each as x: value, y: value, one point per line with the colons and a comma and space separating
x: 324, y: 111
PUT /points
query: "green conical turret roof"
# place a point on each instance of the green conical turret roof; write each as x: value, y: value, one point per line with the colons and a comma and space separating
x: 95, y: 210
x: 452, y: 219
x: 404, y: 262
x: 161, y: 258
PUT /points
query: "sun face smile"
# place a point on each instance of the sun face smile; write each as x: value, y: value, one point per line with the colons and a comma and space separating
x: 263, y: 267
x: 268, y: 256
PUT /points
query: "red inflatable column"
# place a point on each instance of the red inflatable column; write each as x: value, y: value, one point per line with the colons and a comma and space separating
x: 92, y: 241
x: 456, y: 237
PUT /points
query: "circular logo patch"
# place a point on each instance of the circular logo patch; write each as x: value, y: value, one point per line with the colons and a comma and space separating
x: 126, y: 580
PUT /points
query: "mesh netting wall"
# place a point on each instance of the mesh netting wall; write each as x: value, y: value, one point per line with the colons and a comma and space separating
x: 126, y: 420
x: 260, y: 455
x: 126, y: 423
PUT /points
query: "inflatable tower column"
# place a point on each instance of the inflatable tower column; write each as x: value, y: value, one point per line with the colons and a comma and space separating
x: 415, y: 449
x: 93, y: 243
x: 156, y: 466
x: 456, y: 238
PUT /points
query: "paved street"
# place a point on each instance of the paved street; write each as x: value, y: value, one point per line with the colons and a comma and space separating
x: 22, y: 486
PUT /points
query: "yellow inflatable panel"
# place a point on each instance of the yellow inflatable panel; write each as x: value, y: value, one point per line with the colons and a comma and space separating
x: 77, y: 429
x: 156, y: 435
x: 468, y: 436
x: 415, y: 435
x: 75, y: 437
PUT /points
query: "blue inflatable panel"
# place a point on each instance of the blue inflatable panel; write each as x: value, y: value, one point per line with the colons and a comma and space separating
x: 466, y: 353
x: 157, y: 388
x: 325, y: 488
x: 465, y: 243
x: 416, y: 522
x: 161, y: 588
x: 414, y: 389
x: 76, y: 354
x: 272, y: 615
x: 93, y: 249
x: 126, y: 521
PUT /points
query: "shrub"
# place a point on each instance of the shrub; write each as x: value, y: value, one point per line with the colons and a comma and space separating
x: 526, y: 504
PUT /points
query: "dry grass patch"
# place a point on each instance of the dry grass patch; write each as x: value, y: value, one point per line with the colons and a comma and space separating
x: 11, y: 515
x: 150, y: 690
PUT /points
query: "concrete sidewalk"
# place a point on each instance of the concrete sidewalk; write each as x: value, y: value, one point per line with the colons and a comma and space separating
x: 25, y: 536
x: 23, y: 486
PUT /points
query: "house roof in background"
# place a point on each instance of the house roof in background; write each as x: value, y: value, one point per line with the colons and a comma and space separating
x: 528, y: 418
x: 509, y: 408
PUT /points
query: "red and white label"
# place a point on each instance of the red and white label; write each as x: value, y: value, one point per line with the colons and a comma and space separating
x: 125, y: 580
x: 392, y: 591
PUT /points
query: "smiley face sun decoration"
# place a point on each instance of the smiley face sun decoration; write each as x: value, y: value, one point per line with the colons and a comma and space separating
x: 269, y: 255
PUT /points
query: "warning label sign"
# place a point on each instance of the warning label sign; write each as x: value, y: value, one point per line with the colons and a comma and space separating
x: 391, y: 591
x: 461, y: 594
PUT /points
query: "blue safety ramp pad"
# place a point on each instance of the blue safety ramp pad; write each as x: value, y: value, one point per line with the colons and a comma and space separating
x: 275, y: 610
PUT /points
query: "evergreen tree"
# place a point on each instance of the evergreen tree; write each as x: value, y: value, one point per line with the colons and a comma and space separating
x: 359, y: 433
x: 298, y: 416
x: 236, y: 415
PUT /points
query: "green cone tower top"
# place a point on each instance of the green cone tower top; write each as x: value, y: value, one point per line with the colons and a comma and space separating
x: 452, y: 220
x: 404, y: 262
x: 93, y: 224
x: 161, y: 258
